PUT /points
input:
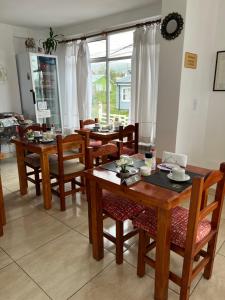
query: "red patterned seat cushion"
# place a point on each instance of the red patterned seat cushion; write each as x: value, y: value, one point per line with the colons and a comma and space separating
x: 95, y: 144
x: 119, y: 208
x: 147, y: 220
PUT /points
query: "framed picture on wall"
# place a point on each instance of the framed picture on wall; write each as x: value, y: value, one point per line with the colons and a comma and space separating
x: 219, y: 77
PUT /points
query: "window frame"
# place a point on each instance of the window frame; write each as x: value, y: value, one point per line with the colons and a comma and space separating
x: 107, y: 59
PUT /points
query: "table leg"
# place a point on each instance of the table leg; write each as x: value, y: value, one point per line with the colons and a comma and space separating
x: 21, y: 169
x: 162, y: 254
x: 2, y: 210
x: 46, y: 184
x: 96, y: 220
x: 88, y: 193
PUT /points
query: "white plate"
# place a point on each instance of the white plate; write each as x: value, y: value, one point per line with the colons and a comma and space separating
x: 187, y: 177
x: 132, y: 171
x: 47, y: 141
x: 167, y: 166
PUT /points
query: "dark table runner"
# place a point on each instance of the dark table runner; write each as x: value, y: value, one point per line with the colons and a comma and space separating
x: 111, y: 166
x: 160, y: 178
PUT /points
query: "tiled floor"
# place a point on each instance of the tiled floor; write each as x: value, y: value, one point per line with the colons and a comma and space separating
x: 46, y: 255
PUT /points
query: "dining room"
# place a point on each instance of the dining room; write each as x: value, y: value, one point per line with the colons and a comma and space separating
x: 112, y: 152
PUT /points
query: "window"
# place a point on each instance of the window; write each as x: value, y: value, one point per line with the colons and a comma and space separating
x: 111, y: 76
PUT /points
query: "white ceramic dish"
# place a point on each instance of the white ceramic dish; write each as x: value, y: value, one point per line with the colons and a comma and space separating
x: 186, y: 178
x: 47, y: 141
x: 132, y: 171
x: 167, y: 166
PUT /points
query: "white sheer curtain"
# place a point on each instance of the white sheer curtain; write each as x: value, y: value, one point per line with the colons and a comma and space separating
x: 144, y: 86
x: 77, y: 102
x: 84, y: 81
x: 70, y: 104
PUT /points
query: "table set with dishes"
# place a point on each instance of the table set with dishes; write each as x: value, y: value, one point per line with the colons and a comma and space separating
x: 136, y: 187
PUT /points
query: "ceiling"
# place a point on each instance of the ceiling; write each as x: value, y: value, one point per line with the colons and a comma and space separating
x: 57, y: 13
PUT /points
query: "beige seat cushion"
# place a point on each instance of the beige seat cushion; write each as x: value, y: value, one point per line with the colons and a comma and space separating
x: 70, y: 166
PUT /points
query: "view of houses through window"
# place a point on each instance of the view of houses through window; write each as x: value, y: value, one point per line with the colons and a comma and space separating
x: 111, y: 76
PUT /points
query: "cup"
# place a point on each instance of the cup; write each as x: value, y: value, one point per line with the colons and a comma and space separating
x: 145, y: 171
x: 178, y: 173
x: 37, y: 133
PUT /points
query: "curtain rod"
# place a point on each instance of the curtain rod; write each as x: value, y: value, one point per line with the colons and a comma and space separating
x: 158, y: 21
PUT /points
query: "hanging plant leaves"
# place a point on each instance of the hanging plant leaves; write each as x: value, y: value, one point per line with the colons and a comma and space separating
x: 51, y: 43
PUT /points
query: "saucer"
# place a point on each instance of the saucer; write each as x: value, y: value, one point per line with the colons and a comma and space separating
x: 187, y: 177
x: 47, y: 141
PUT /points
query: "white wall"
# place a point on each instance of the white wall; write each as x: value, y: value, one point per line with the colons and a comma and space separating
x: 12, y: 42
x: 170, y: 67
x: 9, y: 90
x: 196, y: 84
x: 214, y: 143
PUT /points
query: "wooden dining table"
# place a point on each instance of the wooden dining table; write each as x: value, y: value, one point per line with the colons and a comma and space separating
x: 104, y: 136
x: 144, y: 193
x: 44, y: 150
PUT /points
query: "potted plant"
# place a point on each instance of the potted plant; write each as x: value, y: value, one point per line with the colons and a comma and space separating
x: 122, y: 163
x: 51, y: 43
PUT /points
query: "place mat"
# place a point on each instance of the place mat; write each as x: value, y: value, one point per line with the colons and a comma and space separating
x: 160, y: 178
x: 111, y: 166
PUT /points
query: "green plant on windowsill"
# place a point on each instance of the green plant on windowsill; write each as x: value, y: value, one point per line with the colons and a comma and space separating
x: 51, y: 43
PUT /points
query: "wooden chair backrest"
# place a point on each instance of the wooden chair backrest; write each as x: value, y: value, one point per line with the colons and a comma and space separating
x: 100, y: 152
x: 83, y: 123
x: 199, y: 206
x: 131, y: 133
x: 70, y: 147
x: 34, y: 127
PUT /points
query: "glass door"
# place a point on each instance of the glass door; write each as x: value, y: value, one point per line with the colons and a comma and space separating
x: 46, y: 90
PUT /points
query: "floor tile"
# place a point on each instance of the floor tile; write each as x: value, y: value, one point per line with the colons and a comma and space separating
x: 221, y: 234
x: 76, y: 211
x: 17, y: 206
x: 4, y: 259
x: 16, y: 285
x: 119, y: 282
x: 27, y: 233
x: 222, y: 249
x: 109, y: 226
x: 64, y: 265
x: 213, y: 288
x: 176, y: 263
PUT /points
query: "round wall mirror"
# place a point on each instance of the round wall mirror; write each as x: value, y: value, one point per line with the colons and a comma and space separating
x: 172, y: 26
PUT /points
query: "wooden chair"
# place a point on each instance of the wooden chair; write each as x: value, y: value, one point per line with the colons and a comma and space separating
x: 2, y: 210
x: 32, y: 160
x: 190, y: 231
x: 115, y: 207
x: 84, y: 123
x: 70, y: 164
x: 131, y: 134
x: 90, y: 142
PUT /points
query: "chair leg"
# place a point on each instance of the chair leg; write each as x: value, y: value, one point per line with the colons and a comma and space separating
x: 186, y: 278
x: 37, y: 182
x: 82, y: 179
x: 141, y: 253
x: 211, y: 251
x: 119, y: 242
x: 62, y: 196
x: 73, y: 184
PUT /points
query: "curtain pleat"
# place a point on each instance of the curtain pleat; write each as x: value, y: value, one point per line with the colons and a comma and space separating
x: 84, y: 81
x: 144, y: 83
